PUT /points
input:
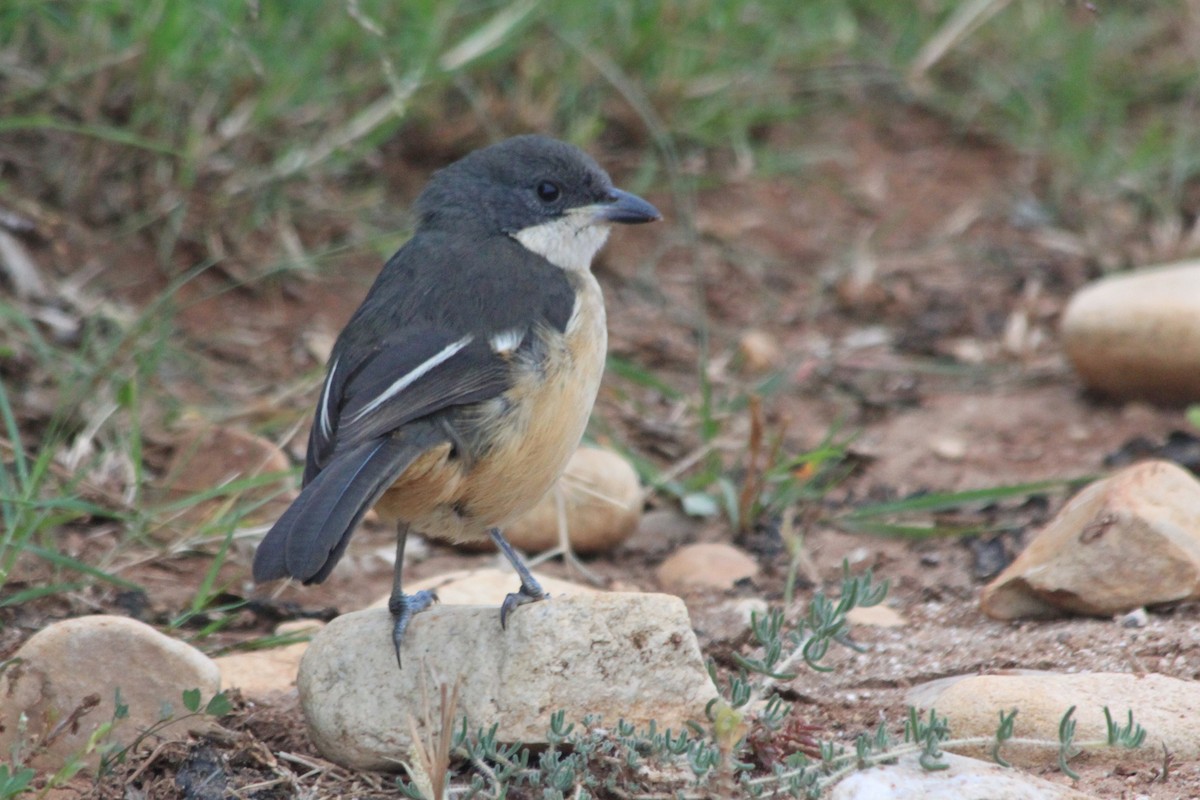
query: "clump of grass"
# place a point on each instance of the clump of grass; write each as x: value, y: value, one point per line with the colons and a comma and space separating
x: 237, y: 98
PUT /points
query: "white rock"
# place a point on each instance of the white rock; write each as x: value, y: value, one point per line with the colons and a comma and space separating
x: 966, y: 779
x: 64, y: 663
x: 707, y: 565
x: 1166, y: 707
x: 1135, y: 335
x: 485, y: 587
x: 602, y: 502
x: 1127, y: 541
x: 630, y: 656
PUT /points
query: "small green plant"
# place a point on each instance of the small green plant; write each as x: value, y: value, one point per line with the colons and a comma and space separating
x: 217, y: 706
x: 14, y: 781
x: 16, y: 778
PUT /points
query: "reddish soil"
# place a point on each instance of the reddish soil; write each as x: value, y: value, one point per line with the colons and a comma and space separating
x: 914, y: 289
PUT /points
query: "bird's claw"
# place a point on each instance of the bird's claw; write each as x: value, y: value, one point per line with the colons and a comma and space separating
x: 523, y: 596
x: 403, y: 608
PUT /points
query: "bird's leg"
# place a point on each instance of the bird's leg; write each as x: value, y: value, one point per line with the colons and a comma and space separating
x: 530, y: 592
x: 404, y: 607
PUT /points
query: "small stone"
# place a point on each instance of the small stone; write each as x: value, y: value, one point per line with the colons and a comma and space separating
x: 59, y: 666
x: 965, y: 778
x: 728, y: 620
x: 261, y: 674
x: 1135, y: 335
x: 876, y: 617
x: 602, y: 502
x: 485, y: 587
x: 630, y: 656
x: 1138, y: 618
x: 659, y: 532
x: 759, y: 351
x: 706, y: 565
x: 949, y: 448
x: 1166, y: 707
x: 1130, y: 540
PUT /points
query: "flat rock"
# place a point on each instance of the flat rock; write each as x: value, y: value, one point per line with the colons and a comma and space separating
x: 61, y: 665
x: 1127, y: 541
x: 1135, y: 335
x: 602, y: 503
x: 623, y: 656
x: 966, y: 779
x: 261, y: 674
x: 1166, y: 707
x: 706, y: 566
x: 485, y: 587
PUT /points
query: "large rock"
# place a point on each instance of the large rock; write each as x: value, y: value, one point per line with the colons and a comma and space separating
x: 1166, y: 707
x: 624, y: 656
x: 1135, y: 335
x: 965, y: 779
x: 1127, y: 541
x: 92, y: 657
x: 602, y: 504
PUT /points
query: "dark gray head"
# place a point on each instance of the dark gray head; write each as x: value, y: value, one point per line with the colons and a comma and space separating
x: 549, y: 195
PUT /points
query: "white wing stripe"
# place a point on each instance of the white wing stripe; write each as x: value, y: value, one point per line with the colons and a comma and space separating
x: 407, y: 380
x: 326, y: 429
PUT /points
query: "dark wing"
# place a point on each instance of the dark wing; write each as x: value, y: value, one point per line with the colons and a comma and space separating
x: 372, y: 422
x: 410, y: 375
x: 310, y: 537
x: 423, y: 340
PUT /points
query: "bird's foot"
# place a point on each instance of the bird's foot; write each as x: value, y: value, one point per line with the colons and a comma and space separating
x: 530, y: 592
x: 403, y: 608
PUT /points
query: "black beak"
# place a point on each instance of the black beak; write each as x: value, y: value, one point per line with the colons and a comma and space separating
x: 626, y: 209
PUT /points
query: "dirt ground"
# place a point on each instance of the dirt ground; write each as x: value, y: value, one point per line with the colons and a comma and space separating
x: 913, y: 285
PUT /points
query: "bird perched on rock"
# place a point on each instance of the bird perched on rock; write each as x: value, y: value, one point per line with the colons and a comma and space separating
x: 462, y: 385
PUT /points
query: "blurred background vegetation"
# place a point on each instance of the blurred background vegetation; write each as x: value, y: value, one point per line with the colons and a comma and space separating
x: 245, y: 99
x: 271, y: 133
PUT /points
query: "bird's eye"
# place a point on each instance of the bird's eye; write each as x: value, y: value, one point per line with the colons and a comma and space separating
x: 548, y: 191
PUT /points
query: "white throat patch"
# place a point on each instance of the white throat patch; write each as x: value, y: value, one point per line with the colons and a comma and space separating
x: 568, y: 242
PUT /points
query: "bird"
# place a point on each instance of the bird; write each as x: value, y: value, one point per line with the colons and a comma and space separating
x: 457, y: 392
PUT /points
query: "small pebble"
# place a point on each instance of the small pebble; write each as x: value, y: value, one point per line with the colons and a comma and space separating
x: 759, y: 351
x: 708, y: 565
x: 1135, y: 619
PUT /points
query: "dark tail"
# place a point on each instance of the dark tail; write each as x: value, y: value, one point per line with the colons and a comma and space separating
x: 310, y: 537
